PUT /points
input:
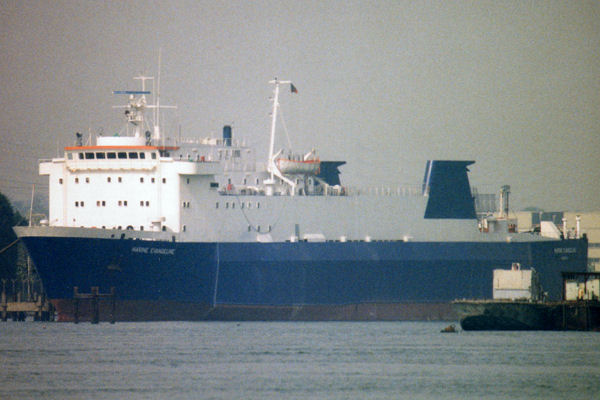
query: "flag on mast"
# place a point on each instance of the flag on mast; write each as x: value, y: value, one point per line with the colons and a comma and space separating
x: 293, y: 88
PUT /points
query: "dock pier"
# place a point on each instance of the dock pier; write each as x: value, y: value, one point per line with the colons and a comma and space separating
x: 23, y: 299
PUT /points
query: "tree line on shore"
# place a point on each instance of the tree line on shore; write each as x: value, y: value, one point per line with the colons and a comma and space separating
x: 9, y: 253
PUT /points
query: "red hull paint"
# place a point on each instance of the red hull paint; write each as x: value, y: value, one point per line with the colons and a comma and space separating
x: 141, y: 310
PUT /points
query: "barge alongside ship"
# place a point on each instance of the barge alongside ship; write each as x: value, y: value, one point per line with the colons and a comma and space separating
x: 578, y: 310
x: 197, y: 229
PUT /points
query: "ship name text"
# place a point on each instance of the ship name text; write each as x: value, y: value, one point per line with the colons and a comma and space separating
x: 152, y: 250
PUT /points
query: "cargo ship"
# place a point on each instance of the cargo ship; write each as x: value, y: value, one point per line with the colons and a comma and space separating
x: 197, y: 229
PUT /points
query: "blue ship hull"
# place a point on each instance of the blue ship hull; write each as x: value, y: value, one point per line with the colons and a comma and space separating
x: 301, y: 280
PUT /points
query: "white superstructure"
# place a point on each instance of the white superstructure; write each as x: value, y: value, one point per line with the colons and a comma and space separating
x: 212, y: 189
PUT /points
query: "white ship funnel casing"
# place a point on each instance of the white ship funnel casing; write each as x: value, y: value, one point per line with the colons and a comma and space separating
x: 550, y: 230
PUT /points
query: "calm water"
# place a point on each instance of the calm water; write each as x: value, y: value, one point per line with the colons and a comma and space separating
x: 331, y: 360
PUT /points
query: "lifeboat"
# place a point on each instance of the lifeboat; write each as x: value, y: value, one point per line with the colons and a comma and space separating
x: 304, y: 167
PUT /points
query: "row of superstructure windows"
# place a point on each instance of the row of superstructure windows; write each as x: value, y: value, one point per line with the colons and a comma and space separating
x: 111, y: 155
x: 120, y: 203
x: 229, y: 153
x: 242, y: 204
x: 109, y: 180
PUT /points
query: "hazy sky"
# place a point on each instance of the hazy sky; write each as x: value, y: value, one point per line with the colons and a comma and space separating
x: 384, y: 85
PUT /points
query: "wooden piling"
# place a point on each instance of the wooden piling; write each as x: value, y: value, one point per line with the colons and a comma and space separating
x: 75, y: 304
x: 94, y: 297
x: 113, y: 305
x: 95, y: 307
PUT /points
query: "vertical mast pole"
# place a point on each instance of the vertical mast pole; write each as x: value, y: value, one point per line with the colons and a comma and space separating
x: 157, y: 109
x: 273, y: 121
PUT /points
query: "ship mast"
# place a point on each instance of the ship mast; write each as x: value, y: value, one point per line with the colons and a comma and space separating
x: 271, y: 167
x: 141, y: 104
x: 137, y: 105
